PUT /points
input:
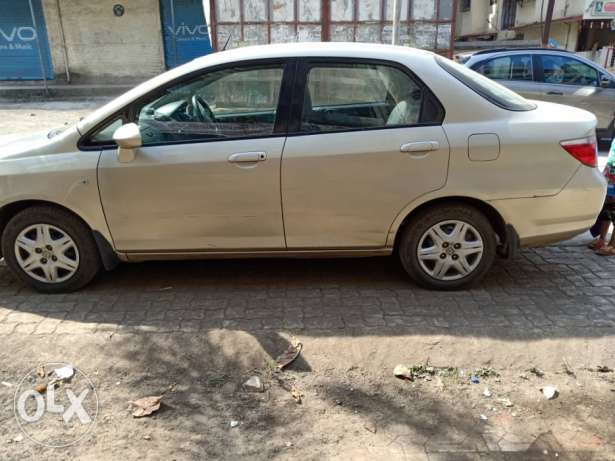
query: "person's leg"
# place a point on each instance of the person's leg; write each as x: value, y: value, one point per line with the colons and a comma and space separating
x: 608, y: 250
x: 604, y: 230
x: 612, y: 241
x: 605, y: 218
x: 600, y: 241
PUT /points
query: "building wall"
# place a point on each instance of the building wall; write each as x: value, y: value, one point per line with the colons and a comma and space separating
x: 481, y: 19
x: 529, y: 12
x: 565, y: 33
x: 427, y: 24
x: 100, y: 44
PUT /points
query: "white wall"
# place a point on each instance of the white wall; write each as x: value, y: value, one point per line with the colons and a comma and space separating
x: 102, y: 44
x: 530, y: 11
x: 481, y: 19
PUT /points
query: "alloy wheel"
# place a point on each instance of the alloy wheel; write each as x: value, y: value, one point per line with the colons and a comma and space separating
x: 46, y: 253
x: 450, y: 250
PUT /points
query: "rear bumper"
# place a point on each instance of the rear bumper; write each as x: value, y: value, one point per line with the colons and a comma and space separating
x: 545, y: 220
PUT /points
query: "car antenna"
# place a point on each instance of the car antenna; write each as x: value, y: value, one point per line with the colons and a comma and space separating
x: 226, y: 43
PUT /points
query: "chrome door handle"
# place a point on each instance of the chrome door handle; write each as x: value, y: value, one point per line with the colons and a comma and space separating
x: 421, y: 146
x: 247, y: 157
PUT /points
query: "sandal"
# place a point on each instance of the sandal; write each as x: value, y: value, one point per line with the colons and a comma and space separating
x: 596, y: 244
x: 606, y: 251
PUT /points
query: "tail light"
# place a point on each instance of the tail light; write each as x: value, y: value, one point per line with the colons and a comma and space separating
x: 583, y: 149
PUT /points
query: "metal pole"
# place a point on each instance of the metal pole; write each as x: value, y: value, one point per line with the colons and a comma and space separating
x: 548, y: 19
x: 174, y: 32
x: 396, y: 19
x: 63, y: 39
x: 38, y: 44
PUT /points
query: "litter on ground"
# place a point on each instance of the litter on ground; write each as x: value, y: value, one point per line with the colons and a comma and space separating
x: 145, y: 406
x: 66, y: 372
x: 254, y: 384
x: 288, y: 356
x: 550, y: 392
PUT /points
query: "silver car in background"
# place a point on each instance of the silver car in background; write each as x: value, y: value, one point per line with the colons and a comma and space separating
x: 553, y: 75
x: 302, y: 150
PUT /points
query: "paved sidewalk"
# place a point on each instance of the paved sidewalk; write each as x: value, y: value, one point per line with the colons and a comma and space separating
x: 559, y: 287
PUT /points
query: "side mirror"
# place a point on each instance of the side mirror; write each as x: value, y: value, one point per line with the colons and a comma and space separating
x: 127, y: 137
x: 605, y: 82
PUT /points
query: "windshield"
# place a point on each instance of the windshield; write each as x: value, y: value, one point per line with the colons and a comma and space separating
x: 488, y: 89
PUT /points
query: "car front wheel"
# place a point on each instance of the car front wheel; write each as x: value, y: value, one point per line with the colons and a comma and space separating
x: 50, y: 249
x: 448, y: 247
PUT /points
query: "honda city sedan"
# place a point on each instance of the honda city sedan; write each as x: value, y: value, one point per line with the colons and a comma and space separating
x: 301, y: 150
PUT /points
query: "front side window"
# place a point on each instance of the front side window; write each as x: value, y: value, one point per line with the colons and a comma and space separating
x: 102, y: 136
x: 230, y: 103
x: 567, y: 71
x: 353, y: 96
x: 518, y: 67
x: 487, y: 88
x: 105, y: 134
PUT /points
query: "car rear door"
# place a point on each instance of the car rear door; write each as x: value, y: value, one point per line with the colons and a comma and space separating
x: 207, y: 177
x: 515, y: 71
x: 365, y: 139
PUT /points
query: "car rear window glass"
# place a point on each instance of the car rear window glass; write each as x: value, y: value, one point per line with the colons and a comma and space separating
x: 356, y: 96
x: 517, y: 67
x: 488, y: 89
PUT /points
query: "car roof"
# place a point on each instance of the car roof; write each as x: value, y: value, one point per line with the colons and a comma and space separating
x: 501, y: 50
x: 288, y: 50
x: 498, y: 52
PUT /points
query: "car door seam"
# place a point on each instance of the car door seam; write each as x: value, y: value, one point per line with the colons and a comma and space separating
x: 281, y: 196
x: 100, y: 199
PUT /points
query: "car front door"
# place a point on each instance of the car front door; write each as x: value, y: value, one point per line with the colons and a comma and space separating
x: 567, y: 80
x: 366, y: 141
x: 207, y: 177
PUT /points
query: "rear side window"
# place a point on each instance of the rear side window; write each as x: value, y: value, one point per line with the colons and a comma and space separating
x: 517, y: 67
x: 350, y: 96
x: 487, y: 88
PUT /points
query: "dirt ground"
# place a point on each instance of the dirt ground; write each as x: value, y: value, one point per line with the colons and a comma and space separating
x: 195, y: 332
x: 352, y: 406
x: 28, y: 117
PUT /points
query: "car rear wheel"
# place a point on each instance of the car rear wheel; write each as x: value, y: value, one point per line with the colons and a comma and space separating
x: 448, y: 247
x: 50, y: 249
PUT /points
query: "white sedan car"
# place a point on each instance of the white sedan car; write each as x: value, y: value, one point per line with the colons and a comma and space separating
x: 327, y: 149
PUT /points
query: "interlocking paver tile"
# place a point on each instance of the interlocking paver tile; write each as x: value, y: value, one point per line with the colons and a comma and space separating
x: 542, y: 289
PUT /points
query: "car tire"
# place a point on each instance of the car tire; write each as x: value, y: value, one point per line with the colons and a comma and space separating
x: 469, y: 250
x: 56, y: 251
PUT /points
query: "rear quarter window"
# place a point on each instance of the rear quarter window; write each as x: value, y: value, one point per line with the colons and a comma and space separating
x: 487, y: 88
